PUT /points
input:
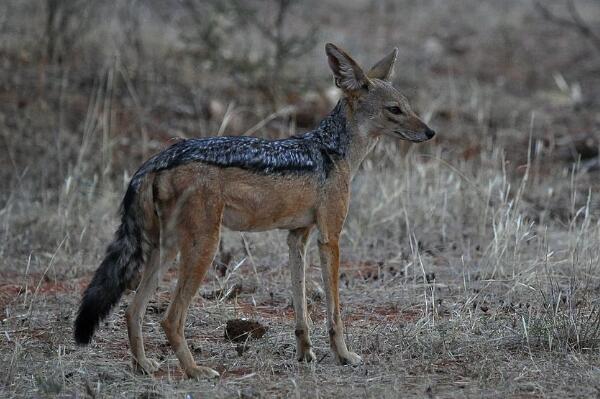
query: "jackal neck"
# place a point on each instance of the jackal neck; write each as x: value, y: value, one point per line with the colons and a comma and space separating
x: 341, y: 135
x: 332, y: 133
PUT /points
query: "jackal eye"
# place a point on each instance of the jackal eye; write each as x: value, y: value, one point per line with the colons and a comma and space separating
x: 395, y: 110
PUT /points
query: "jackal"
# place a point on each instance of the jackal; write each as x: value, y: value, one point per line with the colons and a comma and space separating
x: 179, y: 199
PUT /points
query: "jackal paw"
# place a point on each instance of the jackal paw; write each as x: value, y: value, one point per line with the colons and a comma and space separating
x: 306, y: 355
x: 349, y: 358
x: 199, y: 373
x: 145, y: 365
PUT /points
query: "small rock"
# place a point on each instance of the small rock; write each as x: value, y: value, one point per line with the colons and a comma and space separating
x: 239, y: 330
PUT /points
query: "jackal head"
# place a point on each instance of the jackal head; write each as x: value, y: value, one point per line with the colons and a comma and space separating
x: 377, y: 107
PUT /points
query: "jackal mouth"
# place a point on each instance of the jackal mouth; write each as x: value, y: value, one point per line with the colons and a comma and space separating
x: 415, y: 137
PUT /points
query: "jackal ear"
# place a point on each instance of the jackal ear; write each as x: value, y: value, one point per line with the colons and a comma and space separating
x: 384, y: 69
x: 346, y: 72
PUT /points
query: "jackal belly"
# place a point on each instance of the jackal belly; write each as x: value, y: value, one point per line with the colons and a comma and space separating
x: 259, y: 203
x: 242, y: 220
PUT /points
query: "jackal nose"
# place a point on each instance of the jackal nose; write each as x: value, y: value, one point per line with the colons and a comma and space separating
x: 429, y: 133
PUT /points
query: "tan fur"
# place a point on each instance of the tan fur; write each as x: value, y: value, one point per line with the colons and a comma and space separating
x: 185, y: 207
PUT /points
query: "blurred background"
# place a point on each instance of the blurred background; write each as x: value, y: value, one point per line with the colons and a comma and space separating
x: 130, y: 75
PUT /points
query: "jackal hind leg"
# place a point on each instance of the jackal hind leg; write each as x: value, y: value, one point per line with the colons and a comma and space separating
x: 199, y: 232
x: 330, y: 264
x: 135, y: 315
x: 157, y: 262
x: 297, y: 242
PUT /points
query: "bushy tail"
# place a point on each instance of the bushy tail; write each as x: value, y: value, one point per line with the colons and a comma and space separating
x: 123, y: 258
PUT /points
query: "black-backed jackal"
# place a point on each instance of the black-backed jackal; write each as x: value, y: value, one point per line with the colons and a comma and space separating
x: 179, y: 199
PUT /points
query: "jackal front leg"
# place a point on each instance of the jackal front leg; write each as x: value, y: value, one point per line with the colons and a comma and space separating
x: 297, y: 242
x: 330, y: 264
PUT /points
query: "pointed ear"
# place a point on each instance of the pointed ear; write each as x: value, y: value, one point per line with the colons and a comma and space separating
x: 384, y: 69
x: 348, y: 75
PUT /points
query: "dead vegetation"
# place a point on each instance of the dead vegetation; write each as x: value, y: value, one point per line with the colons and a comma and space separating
x: 470, y: 264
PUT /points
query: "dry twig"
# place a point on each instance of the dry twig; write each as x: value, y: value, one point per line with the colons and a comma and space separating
x: 575, y: 22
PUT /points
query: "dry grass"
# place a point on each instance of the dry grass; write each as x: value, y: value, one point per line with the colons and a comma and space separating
x: 470, y: 264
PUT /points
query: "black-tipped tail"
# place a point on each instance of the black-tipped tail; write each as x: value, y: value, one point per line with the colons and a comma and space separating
x: 121, y: 263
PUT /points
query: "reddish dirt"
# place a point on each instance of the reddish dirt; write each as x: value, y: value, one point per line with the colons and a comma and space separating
x: 13, y: 287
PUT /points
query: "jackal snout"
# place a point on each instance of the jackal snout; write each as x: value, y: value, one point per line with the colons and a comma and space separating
x: 429, y: 133
x: 414, y: 130
x: 421, y: 133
